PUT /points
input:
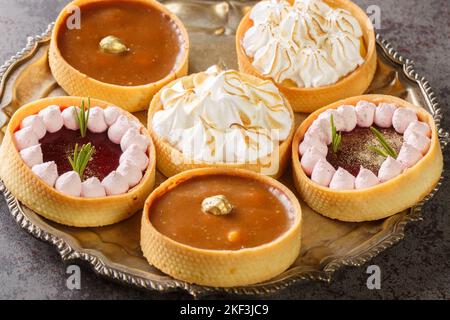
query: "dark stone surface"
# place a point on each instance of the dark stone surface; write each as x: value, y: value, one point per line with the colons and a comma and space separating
x: 417, y: 268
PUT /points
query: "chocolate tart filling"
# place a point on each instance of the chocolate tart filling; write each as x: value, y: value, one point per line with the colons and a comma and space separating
x: 354, y: 149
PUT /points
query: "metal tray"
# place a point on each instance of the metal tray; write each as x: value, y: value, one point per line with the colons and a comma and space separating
x: 114, y: 251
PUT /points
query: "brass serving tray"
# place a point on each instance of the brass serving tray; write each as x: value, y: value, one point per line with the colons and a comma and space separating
x: 114, y: 251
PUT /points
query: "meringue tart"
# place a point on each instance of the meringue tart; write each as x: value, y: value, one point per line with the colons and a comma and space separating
x: 116, y: 50
x: 75, y: 164
x: 316, y: 51
x: 221, y: 118
x: 366, y: 157
x: 221, y: 227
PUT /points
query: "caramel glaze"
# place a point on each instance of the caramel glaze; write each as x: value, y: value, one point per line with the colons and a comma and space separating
x: 153, y: 39
x: 354, y: 152
x: 260, y: 214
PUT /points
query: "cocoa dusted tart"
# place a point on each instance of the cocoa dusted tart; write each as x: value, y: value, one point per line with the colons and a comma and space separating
x: 221, y: 227
x: 353, y: 152
x: 366, y: 157
x: 78, y: 162
x: 117, y: 50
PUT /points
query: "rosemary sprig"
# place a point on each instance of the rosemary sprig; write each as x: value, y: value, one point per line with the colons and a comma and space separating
x: 83, y: 117
x: 81, y: 158
x: 381, y: 152
x: 386, y: 150
x: 336, y: 138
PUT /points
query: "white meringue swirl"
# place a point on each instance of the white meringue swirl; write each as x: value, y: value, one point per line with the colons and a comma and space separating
x: 308, y: 43
x: 220, y: 116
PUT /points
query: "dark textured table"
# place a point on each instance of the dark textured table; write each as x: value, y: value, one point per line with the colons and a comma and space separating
x: 417, y: 267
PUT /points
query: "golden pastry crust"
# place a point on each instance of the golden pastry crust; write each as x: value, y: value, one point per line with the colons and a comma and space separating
x: 311, y: 99
x: 220, y: 268
x: 382, y: 200
x: 52, y: 204
x: 130, y: 98
x: 171, y: 161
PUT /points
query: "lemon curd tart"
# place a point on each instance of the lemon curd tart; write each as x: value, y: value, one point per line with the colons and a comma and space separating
x: 316, y: 51
x: 121, y: 51
x: 78, y: 162
x: 366, y: 157
x: 221, y: 118
x: 221, y: 227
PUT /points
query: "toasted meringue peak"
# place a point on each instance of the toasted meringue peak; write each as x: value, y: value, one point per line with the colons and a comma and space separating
x: 348, y: 113
x: 32, y: 155
x: 342, y: 180
x: 47, y: 171
x: 309, y: 160
x: 383, y: 115
x: 118, y: 129
x: 69, y: 116
x: 96, y: 122
x: 202, y: 112
x: 25, y: 138
x: 135, y: 155
x: 271, y: 12
x: 92, y: 188
x: 115, y: 184
x: 366, y: 179
x: 417, y: 127
x: 131, y: 172
x: 36, y: 123
x: 69, y: 183
x: 419, y: 141
x: 313, y: 141
x: 408, y: 155
x: 308, y: 42
x: 52, y: 118
x: 323, y: 172
x: 111, y: 114
x: 402, y: 118
x: 365, y: 113
x: 133, y: 136
x: 389, y: 169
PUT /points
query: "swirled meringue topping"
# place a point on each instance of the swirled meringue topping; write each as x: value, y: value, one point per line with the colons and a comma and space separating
x: 307, y: 44
x: 222, y: 116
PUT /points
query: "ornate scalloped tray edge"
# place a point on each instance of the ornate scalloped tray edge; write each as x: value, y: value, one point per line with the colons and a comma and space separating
x: 70, y: 250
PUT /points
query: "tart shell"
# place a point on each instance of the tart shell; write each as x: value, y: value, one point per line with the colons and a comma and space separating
x: 130, y: 98
x: 54, y: 205
x: 384, y: 199
x: 220, y: 268
x: 171, y: 161
x: 310, y: 99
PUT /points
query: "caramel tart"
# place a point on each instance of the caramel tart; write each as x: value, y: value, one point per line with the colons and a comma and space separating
x: 116, y: 50
x: 221, y: 227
